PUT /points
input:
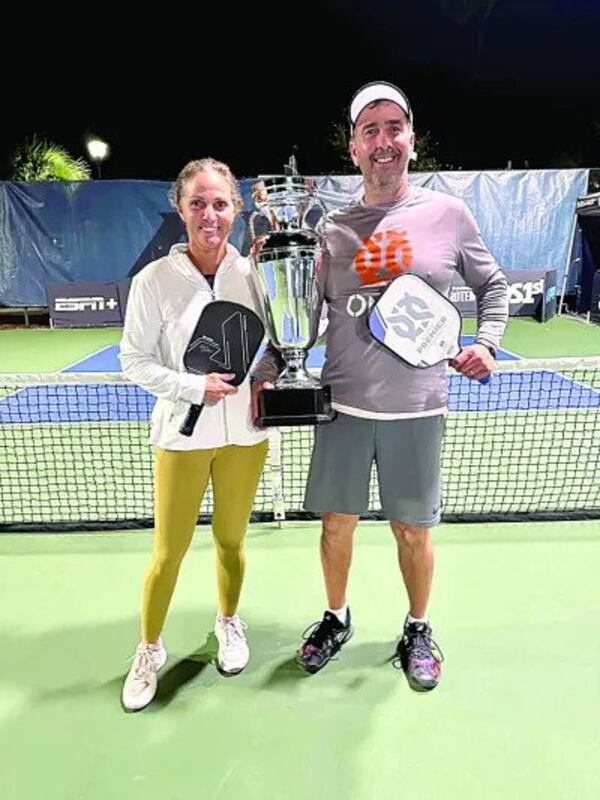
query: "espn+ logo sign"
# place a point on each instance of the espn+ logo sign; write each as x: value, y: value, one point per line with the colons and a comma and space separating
x: 85, y: 303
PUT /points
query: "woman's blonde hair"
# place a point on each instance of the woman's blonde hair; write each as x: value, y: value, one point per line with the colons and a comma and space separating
x: 192, y: 168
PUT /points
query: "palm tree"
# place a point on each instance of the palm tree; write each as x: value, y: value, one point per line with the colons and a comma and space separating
x: 37, y: 159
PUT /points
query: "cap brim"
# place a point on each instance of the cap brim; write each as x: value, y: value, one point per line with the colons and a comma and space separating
x: 377, y: 91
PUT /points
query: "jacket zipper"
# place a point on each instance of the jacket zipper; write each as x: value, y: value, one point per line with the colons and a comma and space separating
x: 224, y: 400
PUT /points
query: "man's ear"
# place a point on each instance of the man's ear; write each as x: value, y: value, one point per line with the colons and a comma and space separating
x: 413, y: 154
x: 352, y: 149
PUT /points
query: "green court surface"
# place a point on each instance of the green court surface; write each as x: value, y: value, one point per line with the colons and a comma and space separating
x: 45, y: 350
x: 560, y: 337
x: 516, y: 610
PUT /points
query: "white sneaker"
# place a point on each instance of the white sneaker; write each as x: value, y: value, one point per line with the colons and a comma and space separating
x: 141, y: 682
x: 233, y: 646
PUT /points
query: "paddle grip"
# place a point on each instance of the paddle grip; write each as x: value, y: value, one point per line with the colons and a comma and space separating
x: 190, y: 421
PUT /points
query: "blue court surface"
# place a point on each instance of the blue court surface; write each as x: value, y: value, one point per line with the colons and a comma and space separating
x: 507, y: 391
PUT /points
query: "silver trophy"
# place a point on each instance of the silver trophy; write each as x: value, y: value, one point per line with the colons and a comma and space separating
x: 287, y: 263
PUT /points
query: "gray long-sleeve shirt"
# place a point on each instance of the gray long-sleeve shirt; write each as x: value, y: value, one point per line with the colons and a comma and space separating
x: 428, y: 233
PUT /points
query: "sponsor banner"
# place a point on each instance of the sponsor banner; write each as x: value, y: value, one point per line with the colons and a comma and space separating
x: 532, y: 293
x: 123, y: 290
x: 84, y: 305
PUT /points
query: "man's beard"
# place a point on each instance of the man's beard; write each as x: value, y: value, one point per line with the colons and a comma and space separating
x: 389, y: 179
x: 385, y: 183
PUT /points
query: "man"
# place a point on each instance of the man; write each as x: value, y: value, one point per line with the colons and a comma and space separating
x: 388, y: 412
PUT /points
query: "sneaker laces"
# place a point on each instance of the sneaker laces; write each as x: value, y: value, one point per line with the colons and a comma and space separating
x: 317, y: 633
x: 233, y: 630
x: 422, y: 646
x: 143, y: 662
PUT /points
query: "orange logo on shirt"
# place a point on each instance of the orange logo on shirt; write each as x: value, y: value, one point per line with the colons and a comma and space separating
x: 383, y: 256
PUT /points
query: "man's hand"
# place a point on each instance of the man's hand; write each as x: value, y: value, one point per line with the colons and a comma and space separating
x: 256, y: 389
x: 217, y: 387
x: 256, y: 246
x: 475, y: 362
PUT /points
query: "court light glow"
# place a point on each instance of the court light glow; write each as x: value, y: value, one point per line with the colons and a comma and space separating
x: 98, y: 149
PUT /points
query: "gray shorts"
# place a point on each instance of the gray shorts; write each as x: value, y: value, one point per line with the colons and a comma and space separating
x: 407, y: 453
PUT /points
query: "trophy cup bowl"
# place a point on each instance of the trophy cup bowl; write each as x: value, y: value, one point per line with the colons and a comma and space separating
x: 287, y: 264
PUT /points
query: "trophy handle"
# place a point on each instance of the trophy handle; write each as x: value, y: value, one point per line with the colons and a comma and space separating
x: 316, y: 202
x: 251, y: 219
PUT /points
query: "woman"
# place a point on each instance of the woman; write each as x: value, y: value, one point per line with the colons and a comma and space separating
x: 164, y: 304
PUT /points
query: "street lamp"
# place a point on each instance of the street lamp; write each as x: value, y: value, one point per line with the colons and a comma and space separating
x: 98, y: 151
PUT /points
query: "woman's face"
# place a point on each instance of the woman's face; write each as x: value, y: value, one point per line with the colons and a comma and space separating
x: 207, y: 208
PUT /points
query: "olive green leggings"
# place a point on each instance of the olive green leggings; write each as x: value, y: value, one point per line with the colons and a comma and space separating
x: 180, y: 481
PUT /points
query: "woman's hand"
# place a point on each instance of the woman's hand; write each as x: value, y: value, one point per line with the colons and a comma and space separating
x: 217, y: 387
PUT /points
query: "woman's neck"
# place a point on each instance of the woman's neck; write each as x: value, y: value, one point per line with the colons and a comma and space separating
x: 206, y: 261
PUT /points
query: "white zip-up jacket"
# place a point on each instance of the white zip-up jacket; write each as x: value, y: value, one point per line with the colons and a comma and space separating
x: 165, y: 301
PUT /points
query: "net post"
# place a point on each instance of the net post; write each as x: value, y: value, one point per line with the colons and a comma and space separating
x: 276, y: 475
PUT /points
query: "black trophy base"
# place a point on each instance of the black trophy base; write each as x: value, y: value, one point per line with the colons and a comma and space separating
x: 280, y: 407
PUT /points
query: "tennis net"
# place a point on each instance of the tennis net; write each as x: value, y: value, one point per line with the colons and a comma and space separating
x: 74, y: 452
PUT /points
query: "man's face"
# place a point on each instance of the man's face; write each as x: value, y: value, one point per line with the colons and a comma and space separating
x: 382, y: 142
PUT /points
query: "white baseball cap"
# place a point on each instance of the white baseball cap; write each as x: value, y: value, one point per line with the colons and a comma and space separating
x: 378, y: 90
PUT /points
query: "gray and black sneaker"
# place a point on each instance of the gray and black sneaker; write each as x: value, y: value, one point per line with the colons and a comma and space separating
x: 323, y: 640
x: 419, y: 656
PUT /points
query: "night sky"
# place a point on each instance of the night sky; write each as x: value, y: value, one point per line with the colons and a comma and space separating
x: 491, y: 80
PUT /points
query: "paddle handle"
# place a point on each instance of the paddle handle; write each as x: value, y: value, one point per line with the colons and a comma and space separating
x: 190, y: 421
x: 482, y: 381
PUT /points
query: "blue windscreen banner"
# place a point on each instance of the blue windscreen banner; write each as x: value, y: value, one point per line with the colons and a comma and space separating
x: 107, y: 231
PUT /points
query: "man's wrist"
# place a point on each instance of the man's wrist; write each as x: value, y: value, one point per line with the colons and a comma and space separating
x: 489, y: 347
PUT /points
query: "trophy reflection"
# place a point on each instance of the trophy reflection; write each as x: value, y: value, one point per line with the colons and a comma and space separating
x: 287, y: 263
